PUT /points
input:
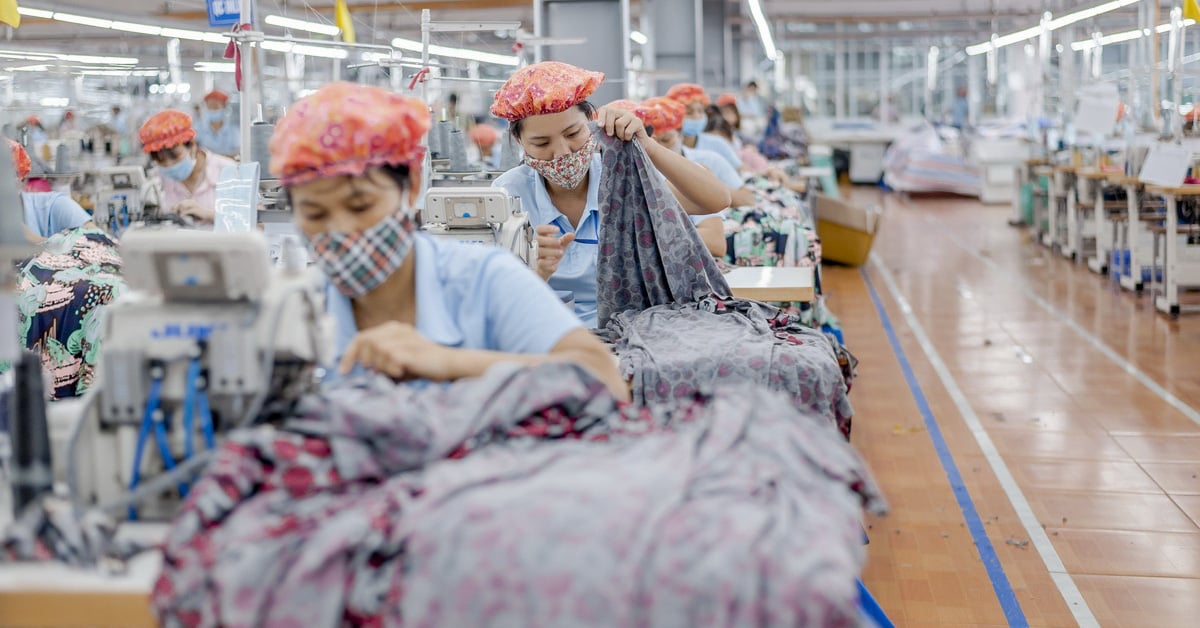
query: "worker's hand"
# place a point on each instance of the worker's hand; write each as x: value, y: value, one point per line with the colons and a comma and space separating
x: 551, y: 249
x: 777, y: 175
x: 400, y: 352
x: 621, y: 124
x: 195, y: 212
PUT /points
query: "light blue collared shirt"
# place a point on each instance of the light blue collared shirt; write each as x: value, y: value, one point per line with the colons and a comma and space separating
x: 720, y: 168
x: 577, y: 270
x: 226, y: 140
x: 47, y: 213
x: 472, y: 296
x: 720, y: 146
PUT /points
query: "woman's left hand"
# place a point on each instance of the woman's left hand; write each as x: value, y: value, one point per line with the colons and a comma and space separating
x: 621, y: 124
x: 400, y: 352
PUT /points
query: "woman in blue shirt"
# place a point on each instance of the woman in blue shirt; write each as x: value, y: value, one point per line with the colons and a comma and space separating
x: 694, y: 124
x: 407, y: 305
x: 45, y: 213
x: 559, y: 183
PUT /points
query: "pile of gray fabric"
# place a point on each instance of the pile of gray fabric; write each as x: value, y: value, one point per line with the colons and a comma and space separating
x: 529, y: 497
x: 668, y: 310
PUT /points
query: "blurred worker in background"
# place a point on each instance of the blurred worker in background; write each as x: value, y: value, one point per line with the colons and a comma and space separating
x: 214, y: 131
x: 696, y: 100
x: 483, y: 136
x: 35, y: 132
x: 46, y: 213
x: 119, y: 121
x: 960, y: 110
x: 189, y: 173
x: 68, y: 123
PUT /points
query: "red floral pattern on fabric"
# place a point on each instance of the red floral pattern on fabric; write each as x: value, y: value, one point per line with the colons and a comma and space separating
x: 544, y: 88
x: 346, y: 129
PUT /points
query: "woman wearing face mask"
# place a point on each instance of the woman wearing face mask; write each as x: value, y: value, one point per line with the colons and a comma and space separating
x: 559, y: 183
x: 214, y: 132
x: 696, y: 100
x: 189, y: 173
x: 670, y: 117
x: 727, y: 103
x: 46, y: 213
x: 405, y: 304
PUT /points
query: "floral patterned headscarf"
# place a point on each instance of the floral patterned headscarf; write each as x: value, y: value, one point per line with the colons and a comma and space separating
x: 544, y: 88
x: 688, y: 93
x: 664, y: 114
x: 21, y: 161
x: 346, y: 129
x: 166, y: 129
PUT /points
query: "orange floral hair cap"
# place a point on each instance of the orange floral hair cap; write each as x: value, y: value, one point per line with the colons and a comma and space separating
x: 166, y: 129
x: 664, y: 114
x: 344, y: 129
x: 21, y: 161
x: 544, y: 88
x: 726, y: 99
x: 688, y: 93
x: 218, y: 96
x: 484, y: 135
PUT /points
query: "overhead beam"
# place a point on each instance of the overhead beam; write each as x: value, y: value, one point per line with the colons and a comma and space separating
x: 414, y: 7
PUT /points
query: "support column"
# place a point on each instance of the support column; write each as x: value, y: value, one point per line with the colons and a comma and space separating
x: 676, y: 39
x: 605, y: 26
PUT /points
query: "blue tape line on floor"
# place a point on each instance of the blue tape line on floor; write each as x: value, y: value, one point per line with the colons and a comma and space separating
x: 987, y: 553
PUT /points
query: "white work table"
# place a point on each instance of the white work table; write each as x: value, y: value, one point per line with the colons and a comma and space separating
x: 786, y: 284
x: 54, y: 594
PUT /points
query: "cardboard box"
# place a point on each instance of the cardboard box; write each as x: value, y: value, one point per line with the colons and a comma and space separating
x: 846, y: 230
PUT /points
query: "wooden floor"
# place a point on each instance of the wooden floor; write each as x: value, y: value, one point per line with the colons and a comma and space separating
x: 1084, y: 402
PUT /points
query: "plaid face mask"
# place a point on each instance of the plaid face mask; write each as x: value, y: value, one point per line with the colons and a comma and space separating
x: 566, y: 171
x: 357, y: 263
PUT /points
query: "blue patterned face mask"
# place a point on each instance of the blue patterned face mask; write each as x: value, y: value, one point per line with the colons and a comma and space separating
x: 214, y: 116
x: 693, y: 128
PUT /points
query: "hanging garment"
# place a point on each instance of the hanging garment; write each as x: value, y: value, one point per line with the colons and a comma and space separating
x: 664, y: 304
x: 528, y: 497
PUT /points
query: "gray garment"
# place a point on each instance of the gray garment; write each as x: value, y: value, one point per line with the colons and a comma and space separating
x: 528, y: 497
x: 667, y: 308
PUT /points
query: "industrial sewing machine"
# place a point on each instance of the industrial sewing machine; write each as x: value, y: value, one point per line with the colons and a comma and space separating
x: 480, y: 215
x: 209, y: 337
x: 124, y: 196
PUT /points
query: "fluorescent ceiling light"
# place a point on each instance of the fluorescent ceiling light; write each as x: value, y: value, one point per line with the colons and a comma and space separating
x: 99, y: 60
x: 309, y: 51
x: 1117, y: 38
x: 301, y: 25
x: 130, y: 27
x: 764, y: 29
x: 119, y: 72
x: 50, y: 101
x: 639, y: 37
x: 180, y: 33
x: 29, y: 68
x: 42, y: 13
x: 82, y: 19
x: 1053, y: 24
x: 216, y: 67
x: 456, y: 53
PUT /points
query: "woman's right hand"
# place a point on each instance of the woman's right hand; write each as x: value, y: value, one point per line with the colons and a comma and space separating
x: 551, y: 249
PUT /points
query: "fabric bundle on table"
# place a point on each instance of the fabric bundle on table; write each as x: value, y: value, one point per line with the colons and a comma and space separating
x: 528, y: 497
x: 667, y: 308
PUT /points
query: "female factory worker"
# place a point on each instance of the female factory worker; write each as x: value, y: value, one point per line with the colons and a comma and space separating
x: 405, y: 304
x: 693, y: 97
x: 215, y: 133
x: 484, y: 137
x: 665, y: 116
x: 189, y: 173
x: 559, y: 184
x: 46, y: 213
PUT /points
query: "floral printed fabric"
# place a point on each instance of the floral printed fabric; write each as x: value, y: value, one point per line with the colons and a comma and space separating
x: 688, y: 93
x: 664, y: 114
x: 528, y: 497
x: 544, y: 88
x: 21, y: 160
x: 665, y: 305
x: 166, y: 129
x: 346, y: 129
x: 61, y: 300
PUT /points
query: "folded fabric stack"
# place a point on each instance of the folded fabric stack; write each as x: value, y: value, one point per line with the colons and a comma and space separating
x: 528, y: 497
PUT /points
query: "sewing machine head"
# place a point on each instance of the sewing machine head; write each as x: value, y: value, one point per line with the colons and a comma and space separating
x: 480, y: 215
x: 125, y: 195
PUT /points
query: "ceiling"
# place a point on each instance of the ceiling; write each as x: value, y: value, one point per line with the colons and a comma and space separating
x: 378, y: 21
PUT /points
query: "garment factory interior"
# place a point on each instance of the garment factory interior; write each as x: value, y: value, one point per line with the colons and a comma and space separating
x: 576, y: 313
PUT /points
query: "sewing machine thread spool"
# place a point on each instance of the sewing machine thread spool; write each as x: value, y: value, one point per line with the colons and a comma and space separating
x: 443, y: 132
x: 260, y: 139
x: 31, y: 475
x: 60, y: 159
x: 457, y: 151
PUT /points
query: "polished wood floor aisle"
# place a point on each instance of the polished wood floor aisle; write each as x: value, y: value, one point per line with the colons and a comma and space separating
x: 1084, y: 402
